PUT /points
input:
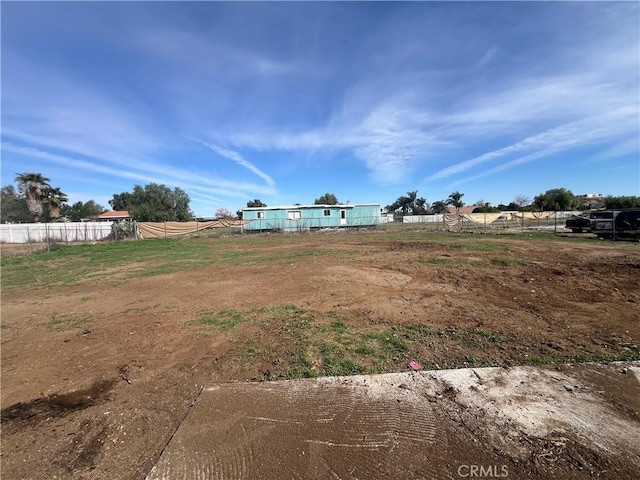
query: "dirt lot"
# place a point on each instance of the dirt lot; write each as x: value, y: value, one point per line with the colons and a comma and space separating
x: 99, y: 371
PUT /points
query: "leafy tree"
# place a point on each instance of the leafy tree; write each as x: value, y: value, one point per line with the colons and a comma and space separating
x: 556, y: 199
x: 393, y: 207
x: 154, y: 203
x: 486, y: 210
x: 326, y: 199
x: 621, y: 202
x: 455, y: 200
x: 79, y: 210
x: 13, y: 206
x: 33, y: 187
x: 224, y: 214
x: 439, y: 206
x: 257, y: 203
x: 511, y: 206
x: 54, y: 198
x: 122, y: 201
x: 181, y: 210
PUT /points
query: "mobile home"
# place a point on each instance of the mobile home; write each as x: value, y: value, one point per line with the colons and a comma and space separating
x: 290, y: 218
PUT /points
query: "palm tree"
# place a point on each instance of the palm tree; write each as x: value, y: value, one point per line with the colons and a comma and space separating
x: 54, y: 197
x: 439, y: 206
x: 393, y: 207
x: 33, y: 186
x: 407, y: 203
x: 455, y: 200
x: 411, y: 197
x: 421, y: 206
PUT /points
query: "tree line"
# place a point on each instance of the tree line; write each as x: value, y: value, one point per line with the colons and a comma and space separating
x: 35, y: 200
x: 558, y: 199
x: 411, y: 204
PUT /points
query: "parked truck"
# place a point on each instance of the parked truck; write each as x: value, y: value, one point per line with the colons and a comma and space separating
x: 578, y: 224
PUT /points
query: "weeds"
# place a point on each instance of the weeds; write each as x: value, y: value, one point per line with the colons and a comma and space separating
x: 437, y: 261
x: 508, y: 262
x: 69, y: 321
x: 224, y: 320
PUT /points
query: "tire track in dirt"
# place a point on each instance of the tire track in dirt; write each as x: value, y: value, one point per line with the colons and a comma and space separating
x: 303, y: 430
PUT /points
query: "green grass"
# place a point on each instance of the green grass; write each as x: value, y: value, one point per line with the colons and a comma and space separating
x: 334, y: 366
x: 69, y: 321
x: 390, y: 341
x: 252, y: 353
x: 301, y: 343
x: 339, y: 327
x: 365, y: 349
x: 437, y: 261
x: 492, y: 337
x: 534, y: 360
x: 116, y: 262
x: 483, y: 247
x: 305, y: 344
x: 319, y: 344
x: 224, y: 320
x: 281, y: 312
x: 508, y: 262
x: 70, y: 264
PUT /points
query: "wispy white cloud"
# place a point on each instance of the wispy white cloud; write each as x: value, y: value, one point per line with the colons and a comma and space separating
x: 392, y: 138
x: 75, y: 163
x: 79, y: 128
x: 201, y: 56
x: 590, y: 131
x: 629, y: 146
x: 236, y: 157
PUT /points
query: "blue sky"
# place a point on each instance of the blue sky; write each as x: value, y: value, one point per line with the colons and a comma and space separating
x: 287, y: 101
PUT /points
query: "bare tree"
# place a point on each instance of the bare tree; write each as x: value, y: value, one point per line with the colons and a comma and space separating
x: 521, y: 200
x: 224, y: 214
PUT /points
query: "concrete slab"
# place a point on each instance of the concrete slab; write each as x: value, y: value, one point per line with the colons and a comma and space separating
x: 552, y: 422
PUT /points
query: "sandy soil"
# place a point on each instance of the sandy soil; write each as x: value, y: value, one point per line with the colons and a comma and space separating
x: 102, y: 397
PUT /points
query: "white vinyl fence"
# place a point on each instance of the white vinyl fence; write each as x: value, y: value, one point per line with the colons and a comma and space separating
x: 54, y: 232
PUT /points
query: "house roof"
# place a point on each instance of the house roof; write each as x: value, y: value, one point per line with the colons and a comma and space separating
x: 463, y: 210
x: 115, y: 214
x: 299, y: 207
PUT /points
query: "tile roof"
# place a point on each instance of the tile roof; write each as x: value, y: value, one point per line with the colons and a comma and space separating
x: 116, y: 214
